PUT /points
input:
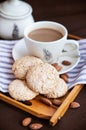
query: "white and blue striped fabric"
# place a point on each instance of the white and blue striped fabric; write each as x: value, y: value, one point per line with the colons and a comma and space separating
x: 6, y: 61
x: 76, y: 75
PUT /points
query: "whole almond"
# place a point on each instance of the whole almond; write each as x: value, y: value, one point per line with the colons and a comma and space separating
x: 64, y: 77
x: 65, y: 62
x: 58, y: 67
x: 46, y: 101
x: 35, y: 126
x: 57, y: 102
x: 26, y: 121
x: 74, y: 105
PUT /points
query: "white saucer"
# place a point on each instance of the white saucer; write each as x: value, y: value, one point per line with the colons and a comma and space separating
x: 20, y: 50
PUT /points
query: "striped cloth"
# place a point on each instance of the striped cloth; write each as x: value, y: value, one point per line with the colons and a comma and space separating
x: 76, y: 75
x: 6, y: 61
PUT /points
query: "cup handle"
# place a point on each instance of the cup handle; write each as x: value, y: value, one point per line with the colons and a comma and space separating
x: 71, y: 45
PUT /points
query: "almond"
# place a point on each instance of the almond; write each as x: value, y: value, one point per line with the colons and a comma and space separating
x: 26, y: 121
x: 74, y: 105
x: 46, y: 101
x: 57, y: 102
x: 58, y: 67
x: 65, y: 62
x: 64, y: 77
x: 35, y: 126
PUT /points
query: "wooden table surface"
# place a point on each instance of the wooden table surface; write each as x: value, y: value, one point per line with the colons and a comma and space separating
x: 72, y: 14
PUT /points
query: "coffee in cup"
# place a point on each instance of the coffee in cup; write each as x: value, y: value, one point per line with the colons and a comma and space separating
x: 45, y: 35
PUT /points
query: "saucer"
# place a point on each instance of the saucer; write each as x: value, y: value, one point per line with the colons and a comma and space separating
x: 19, y: 50
x: 70, y: 54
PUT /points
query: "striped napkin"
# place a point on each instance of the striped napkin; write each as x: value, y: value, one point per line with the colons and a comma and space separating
x: 76, y: 75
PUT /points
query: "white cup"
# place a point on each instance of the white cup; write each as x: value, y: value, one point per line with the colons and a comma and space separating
x: 48, y: 51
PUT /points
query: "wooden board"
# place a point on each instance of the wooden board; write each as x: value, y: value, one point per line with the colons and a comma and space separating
x: 41, y: 110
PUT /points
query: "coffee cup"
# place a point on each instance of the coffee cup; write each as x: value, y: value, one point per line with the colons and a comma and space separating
x: 47, y: 39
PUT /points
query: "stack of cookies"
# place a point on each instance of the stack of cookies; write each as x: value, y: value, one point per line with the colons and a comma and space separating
x: 34, y: 77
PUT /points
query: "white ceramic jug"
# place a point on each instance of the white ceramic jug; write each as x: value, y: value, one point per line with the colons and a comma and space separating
x: 15, y: 15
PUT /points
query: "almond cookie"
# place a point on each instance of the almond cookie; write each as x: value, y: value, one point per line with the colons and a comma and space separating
x: 58, y: 91
x: 19, y: 91
x: 42, y: 78
x: 21, y: 65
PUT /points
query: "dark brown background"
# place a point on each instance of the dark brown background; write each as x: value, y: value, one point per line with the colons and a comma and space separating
x: 72, y: 14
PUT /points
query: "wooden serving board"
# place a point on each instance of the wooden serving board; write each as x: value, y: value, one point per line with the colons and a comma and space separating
x: 41, y: 110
